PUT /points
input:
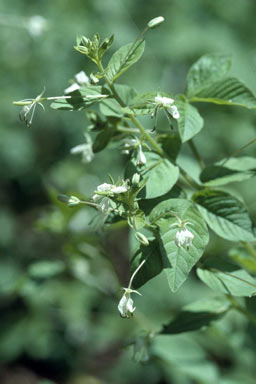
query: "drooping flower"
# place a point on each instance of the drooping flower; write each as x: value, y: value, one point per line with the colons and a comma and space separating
x: 135, y: 146
x: 85, y: 149
x: 29, y: 105
x: 184, y: 237
x: 125, y: 306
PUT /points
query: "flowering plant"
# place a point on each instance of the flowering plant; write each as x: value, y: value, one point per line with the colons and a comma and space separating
x: 168, y: 210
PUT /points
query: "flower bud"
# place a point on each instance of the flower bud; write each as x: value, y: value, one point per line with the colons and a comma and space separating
x: 71, y: 201
x: 155, y: 22
x: 141, y: 238
x: 136, y: 179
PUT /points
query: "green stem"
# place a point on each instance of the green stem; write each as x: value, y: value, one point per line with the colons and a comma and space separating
x: 239, y: 150
x: 189, y: 180
x: 250, y: 316
x: 196, y: 153
x: 249, y: 249
x: 154, y: 144
x: 128, y: 130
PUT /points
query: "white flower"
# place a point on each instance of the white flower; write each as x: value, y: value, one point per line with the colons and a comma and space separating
x: 82, y: 79
x: 184, y: 237
x: 125, y: 306
x: 163, y: 101
x: 120, y: 189
x: 140, y: 158
x: 167, y: 103
x: 85, y: 149
x: 109, y: 189
x: 29, y: 105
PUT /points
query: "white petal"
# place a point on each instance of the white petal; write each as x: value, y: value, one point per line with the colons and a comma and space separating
x: 74, y: 87
x: 174, y: 112
x: 120, y: 189
x: 78, y: 149
x: 82, y: 78
x: 105, y: 187
x: 164, y: 101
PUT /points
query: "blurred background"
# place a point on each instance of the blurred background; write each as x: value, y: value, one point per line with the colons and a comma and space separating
x: 58, y: 276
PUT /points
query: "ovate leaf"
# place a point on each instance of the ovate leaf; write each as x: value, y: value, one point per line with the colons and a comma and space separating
x: 225, y: 215
x: 235, y: 283
x: 190, y: 121
x: 216, y: 175
x: 102, y: 139
x: 208, y: 69
x: 142, y: 104
x: 178, y: 262
x: 229, y: 91
x: 197, y: 315
x: 161, y: 175
x: 171, y: 144
x: 242, y: 163
x: 124, y: 58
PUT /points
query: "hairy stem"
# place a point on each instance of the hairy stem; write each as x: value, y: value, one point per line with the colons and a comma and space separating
x: 196, y: 153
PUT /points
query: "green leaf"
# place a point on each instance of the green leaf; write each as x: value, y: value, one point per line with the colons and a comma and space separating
x: 208, y: 69
x: 102, y: 139
x: 225, y: 215
x: 190, y: 121
x: 216, y: 175
x: 80, y: 99
x: 242, y: 163
x: 148, y: 204
x: 46, y: 269
x: 178, y: 262
x: 182, y: 354
x: 143, y: 104
x: 151, y: 268
x: 171, y: 144
x: 197, y: 315
x: 161, y: 175
x: 124, y: 58
x: 229, y: 91
x: 235, y: 283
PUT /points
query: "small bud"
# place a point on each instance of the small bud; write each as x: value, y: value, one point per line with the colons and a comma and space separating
x: 155, y: 22
x: 136, y: 179
x: 71, y: 201
x: 84, y: 41
x: 141, y: 238
x: 94, y: 78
